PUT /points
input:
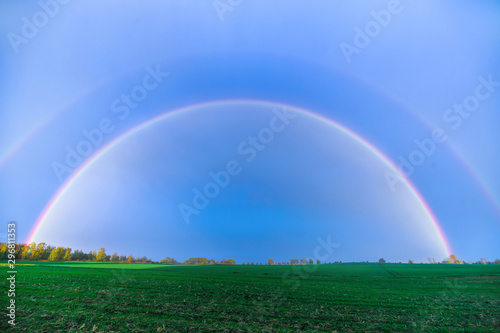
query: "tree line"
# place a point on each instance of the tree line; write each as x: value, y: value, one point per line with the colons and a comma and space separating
x: 42, y: 251
x: 200, y: 261
x: 452, y: 259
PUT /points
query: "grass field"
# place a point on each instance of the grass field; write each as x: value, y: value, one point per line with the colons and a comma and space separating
x: 107, y: 297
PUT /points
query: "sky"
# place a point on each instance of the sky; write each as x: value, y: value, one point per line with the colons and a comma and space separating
x: 253, y: 129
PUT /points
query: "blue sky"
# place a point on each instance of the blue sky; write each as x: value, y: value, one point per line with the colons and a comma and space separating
x: 412, y: 64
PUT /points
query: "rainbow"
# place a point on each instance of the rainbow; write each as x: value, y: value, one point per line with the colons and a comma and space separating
x: 480, y: 183
x: 93, y: 159
x: 9, y: 153
x: 477, y: 179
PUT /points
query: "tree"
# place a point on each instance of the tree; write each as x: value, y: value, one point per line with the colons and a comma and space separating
x: 497, y: 262
x: 166, y: 261
x: 56, y: 254
x: 3, y: 251
x: 318, y: 262
x: 67, y: 254
x: 311, y: 261
x: 231, y: 261
x: 101, y: 255
x: 294, y: 261
x: 38, y: 251
x: 77, y: 255
x: 43, y: 251
x: 410, y: 261
x: 19, y: 250
x: 28, y: 251
x: 202, y: 261
x: 130, y: 258
x: 454, y: 260
x: 270, y: 261
x: 114, y: 257
x: 381, y: 261
x: 303, y: 261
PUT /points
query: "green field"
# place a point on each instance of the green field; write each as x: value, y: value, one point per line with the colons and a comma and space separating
x: 107, y: 297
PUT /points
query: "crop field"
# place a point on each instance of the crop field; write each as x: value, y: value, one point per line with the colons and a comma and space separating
x: 107, y: 297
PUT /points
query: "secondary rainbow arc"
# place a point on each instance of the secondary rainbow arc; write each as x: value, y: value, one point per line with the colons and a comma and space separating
x: 81, y: 170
